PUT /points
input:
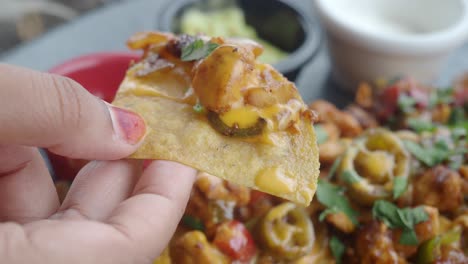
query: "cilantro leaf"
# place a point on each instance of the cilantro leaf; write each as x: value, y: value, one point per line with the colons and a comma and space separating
x: 193, y: 222
x: 334, y: 167
x: 196, y: 50
x: 321, y: 134
x: 458, y: 133
x: 326, y: 212
x: 387, y: 213
x: 405, y: 219
x: 399, y: 186
x: 457, y: 116
x: 413, y: 216
x: 456, y: 162
x: 406, y: 103
x: 408, y: 237
x: 198, y: 108
x: 419, y: 125
x: 333, y: 198
x: 431, y: 155
x: 337, y: 248
x: 350, y: 176
x: 440, y: 96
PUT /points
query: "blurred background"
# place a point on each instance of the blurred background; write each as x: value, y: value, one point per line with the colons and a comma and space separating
x: 25, y: 20
x: 41, y: 34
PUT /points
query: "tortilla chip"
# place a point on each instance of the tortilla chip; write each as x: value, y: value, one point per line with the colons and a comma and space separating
x: 288, y: 168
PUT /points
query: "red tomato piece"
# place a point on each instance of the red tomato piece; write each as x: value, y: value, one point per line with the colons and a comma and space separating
x: 234, y: 240
x: 388, y: 102
x: 420, y: 96
x: 255, y: 196
x: 461, y: 96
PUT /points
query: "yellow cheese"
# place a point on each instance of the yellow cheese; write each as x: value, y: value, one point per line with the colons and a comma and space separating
x: 275, y: 181
x: 244, y: 117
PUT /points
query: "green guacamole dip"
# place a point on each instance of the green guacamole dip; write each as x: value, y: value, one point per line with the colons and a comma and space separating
x: 227, y: 22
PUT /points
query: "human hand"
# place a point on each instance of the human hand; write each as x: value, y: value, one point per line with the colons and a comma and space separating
x: 115, y: 212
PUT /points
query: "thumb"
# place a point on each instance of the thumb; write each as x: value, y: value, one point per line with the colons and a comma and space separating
x: 54, y: 112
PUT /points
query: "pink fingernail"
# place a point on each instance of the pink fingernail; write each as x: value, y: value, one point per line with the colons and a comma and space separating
x: 128, y: 125
x: 146, y: 163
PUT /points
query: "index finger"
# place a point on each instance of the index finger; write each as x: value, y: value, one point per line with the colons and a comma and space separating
x: 44, y: 110
x: 150, y: 217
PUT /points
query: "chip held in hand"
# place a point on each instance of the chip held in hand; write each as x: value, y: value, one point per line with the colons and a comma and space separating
x: 210, y: 105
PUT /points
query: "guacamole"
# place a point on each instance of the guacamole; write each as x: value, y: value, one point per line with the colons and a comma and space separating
x: 228, y: 22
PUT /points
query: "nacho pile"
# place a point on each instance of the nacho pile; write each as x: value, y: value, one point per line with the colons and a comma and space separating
x: 210, y: 105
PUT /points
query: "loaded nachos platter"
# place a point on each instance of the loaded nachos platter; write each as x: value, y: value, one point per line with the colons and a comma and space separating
x: 393, y: 180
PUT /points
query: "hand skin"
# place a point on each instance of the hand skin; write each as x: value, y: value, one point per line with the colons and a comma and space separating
x: 115, y: 212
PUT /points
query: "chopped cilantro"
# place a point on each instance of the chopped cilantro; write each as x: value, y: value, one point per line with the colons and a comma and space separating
x: 321, y: 134
x: 350, y: 176
x: 193, y: 222
x: 326, y: 212
x: 399, y: 186
x: 460, y: 130
x: 403, y: 218
x: 408, y: 237
x: 198, y: 108
x: 406, y: 103
x: 430, y: 155
x: 334, y: 199
x: 458, y: 133
x: 337, y: 248
x: 334, y: 167
x: 440, y: 96
x: 457, y: 116
x: 419, y: 125
x: 197, y: 49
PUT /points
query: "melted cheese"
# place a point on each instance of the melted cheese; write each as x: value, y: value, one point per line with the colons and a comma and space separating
x: 277, y: 116
x: 275, y: 180
x: 244, y: 117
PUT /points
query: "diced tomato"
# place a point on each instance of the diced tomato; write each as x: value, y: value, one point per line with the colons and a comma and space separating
x: 256, y: 196
x: 234, y: 240
x: 420, y: 96
x: 388, y: 102
x: 461, y: 96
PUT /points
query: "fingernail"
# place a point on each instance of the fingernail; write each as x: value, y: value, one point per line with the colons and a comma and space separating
x: 128, y: 125
x: 146, y: 163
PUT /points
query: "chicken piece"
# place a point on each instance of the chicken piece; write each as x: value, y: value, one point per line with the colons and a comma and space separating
x: 464, y: 174
x: 260, y: 203
x: 238, y: 80
x: 329, y: 151
x: 348, y: 125
x: 327, y: 111
x: 365, y: 119
x: 440, y: 187
x: 193, y: 248
x: 332, y: 130
x: 214, y: 200
x: 374, y: 245
x: 215, y: 188
x: 441, y: 113
x: 219, y: 79
x: 451, y: 255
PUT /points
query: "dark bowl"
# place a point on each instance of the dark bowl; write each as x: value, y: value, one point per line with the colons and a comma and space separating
x: 281, y: 23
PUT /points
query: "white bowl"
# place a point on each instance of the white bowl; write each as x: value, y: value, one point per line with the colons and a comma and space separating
x: 374, y: 39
